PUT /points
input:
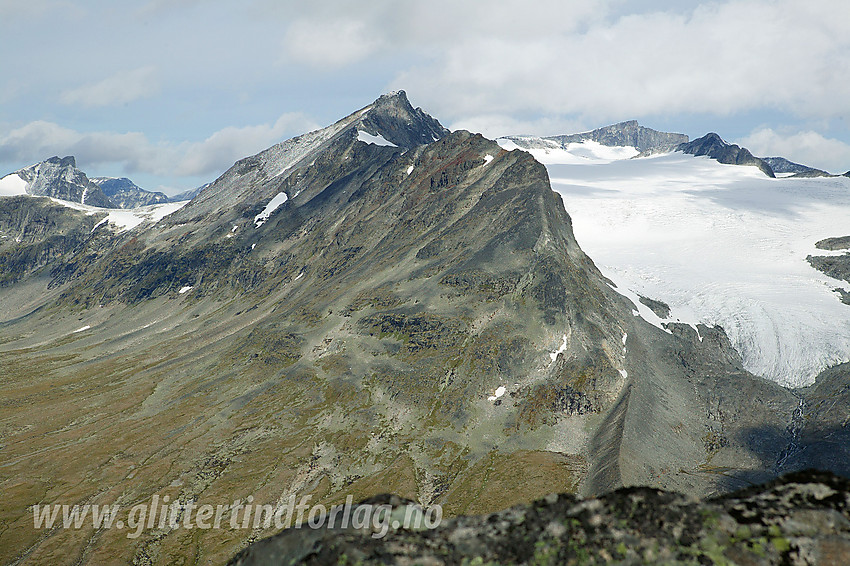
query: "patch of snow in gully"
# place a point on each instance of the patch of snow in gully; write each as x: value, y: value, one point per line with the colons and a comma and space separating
x: 273, y: 205
x: 375, y: 140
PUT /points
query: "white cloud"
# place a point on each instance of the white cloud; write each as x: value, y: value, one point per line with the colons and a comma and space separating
x: 230, y: 144
x: 806, y: 147
x: 495, y: 125
x: 329, y: 44
x: 120, y: 88
x: 718, y: 58
x: 134, y: 152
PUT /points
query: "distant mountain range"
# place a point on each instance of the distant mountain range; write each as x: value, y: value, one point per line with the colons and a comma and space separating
x: 59, y: 178
x: 647, y: 141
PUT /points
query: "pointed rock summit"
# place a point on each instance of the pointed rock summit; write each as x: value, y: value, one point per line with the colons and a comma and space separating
x: 299, y: 167
x: 394, y: 117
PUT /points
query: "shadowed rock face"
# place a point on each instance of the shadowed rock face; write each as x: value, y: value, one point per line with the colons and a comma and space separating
x: 713, y: 146
x: 802, y: 518
x: 414, y: 317
x: 36, y: 234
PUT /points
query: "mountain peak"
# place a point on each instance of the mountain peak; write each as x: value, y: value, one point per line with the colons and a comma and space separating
x: 713, y: 146
x: 254, y: 181
x: 67, y: 161
x: 394, y: 118
x: 622, y: 134
x: 59, y: 178
x: 625, y: 134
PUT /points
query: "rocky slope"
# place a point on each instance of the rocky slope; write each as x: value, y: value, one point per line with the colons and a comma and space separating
x: 713, y: 146
x: 801, y: 519
x: 35, y: 233
x: 380, y: 305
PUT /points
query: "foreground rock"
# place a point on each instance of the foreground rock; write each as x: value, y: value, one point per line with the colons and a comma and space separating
x: 801, y: 518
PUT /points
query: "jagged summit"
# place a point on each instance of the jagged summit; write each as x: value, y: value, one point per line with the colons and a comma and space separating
x: 713, y: 146
x: 59, y: 178
x: 392, y: 116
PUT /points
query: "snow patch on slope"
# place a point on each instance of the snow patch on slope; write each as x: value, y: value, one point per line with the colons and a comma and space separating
x: 366, y: 137
x: 12, y: 185
x: 126, y: 219
x: 273, y: 205
x: 583, y: 153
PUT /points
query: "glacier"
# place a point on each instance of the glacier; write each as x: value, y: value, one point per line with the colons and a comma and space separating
x: 720, y: 244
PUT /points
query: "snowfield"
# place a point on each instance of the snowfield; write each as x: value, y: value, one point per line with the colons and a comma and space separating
x: 127, y: 218
x: 721, y: 244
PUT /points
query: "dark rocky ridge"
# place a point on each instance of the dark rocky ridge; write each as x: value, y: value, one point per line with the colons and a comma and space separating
x: 800, y: 519
x: 782, y: 165
x: 59, y: 178
x: 833, y: 244
x: 36, y: 233
x: 835, y: 266
x: 713, y: 146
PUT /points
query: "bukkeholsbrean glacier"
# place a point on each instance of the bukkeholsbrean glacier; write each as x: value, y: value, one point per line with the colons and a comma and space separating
x: 670, y: 220
x: 384, y: 305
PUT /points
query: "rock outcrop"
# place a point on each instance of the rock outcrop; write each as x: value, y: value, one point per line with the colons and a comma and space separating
x: 781, y: 165
x: 800, y: 519
x: 713, y: 146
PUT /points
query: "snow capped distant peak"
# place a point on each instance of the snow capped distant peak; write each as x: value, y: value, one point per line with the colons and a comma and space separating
x: 59, y: 178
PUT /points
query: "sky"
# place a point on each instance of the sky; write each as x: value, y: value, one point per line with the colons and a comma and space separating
x: 172, y: 92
